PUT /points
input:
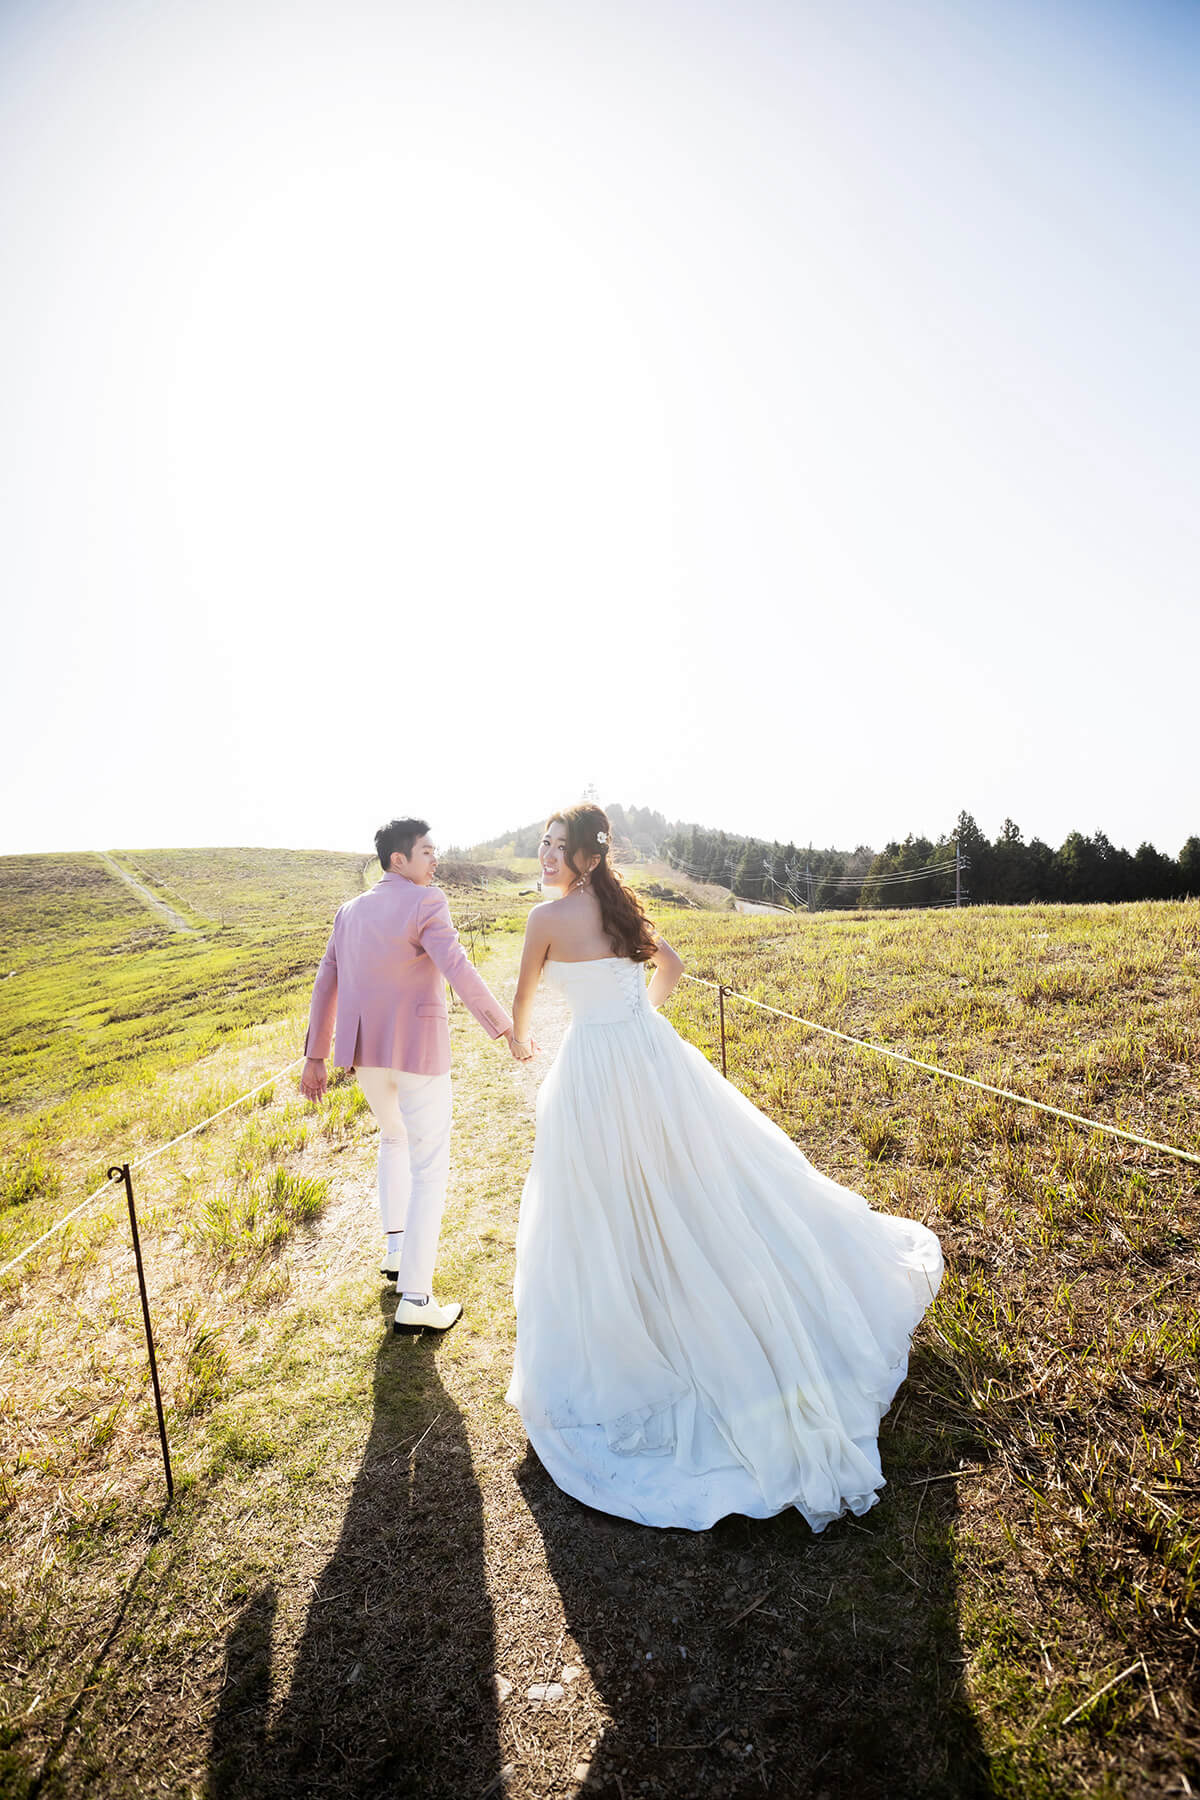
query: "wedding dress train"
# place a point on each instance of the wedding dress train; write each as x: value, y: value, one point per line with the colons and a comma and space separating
x: 706, y: 1324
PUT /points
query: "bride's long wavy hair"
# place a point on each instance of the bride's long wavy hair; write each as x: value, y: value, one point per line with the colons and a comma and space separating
x: 625, y: 924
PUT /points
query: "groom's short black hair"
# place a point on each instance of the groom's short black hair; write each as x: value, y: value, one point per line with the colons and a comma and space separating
x: 398, y: 834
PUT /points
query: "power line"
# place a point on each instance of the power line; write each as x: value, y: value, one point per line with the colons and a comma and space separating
x: 897, y: 878
x: 848, y: 880
x: 945, y: 868
x: 886, y: 882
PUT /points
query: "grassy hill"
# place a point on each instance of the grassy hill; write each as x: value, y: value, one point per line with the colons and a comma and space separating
x: 1039, y: 1536
x: 100, y: 989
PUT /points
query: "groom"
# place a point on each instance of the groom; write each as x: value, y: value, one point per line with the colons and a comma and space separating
x: 380, y: 988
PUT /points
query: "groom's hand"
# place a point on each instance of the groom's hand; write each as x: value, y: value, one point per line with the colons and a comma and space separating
x: 313, y: 1080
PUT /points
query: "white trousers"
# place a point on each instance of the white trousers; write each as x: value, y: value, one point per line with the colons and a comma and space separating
x: 413, y: 1114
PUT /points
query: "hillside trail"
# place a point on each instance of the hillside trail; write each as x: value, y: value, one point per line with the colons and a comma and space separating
x: 147, y: 898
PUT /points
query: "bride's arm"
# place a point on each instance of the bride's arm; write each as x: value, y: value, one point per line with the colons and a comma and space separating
x: 668, y: 967
x: 537, y: 946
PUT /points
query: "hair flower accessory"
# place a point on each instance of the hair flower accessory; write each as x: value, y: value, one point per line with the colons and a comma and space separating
x: 602, y: 837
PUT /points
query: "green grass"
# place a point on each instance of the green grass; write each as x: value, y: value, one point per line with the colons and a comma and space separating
x: 28, y: 1176
x: 101, y: 992
x: 1039, y: 1534
x: 258, y: 1214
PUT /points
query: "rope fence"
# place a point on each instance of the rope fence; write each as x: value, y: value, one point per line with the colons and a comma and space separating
x: 123, y: 1173
x: 723, y: 992
x: 160, y: 1150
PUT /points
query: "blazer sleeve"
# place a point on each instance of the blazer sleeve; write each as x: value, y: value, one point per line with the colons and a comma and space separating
x: 323, y: 1008
x: 439, y: 940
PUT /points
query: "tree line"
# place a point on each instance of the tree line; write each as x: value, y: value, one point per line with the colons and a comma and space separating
x: 924, y: 871
x: 920, y: 871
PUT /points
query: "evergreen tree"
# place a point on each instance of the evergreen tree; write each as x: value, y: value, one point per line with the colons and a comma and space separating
x: 873, y: 891
x: 973, y: 845
x: 1077, y: 868
x: 1010, y: 866
x: 747, y: 880
x: 1189, y: 867
x: 1155, y: 877
x: 1041, y: 870
x: 832, y: 890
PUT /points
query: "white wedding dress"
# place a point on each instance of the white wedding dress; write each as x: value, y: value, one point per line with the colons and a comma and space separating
x: 705, y: 1323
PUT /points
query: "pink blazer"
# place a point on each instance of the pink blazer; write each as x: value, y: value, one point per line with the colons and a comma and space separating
x: 379, y: 994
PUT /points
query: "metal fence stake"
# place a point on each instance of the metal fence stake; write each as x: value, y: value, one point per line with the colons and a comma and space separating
x: 122, y: 1172
x: 721, y: 992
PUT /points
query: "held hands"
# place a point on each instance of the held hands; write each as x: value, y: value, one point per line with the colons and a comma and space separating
x: 313, y: 1080
x: 523, y: 1050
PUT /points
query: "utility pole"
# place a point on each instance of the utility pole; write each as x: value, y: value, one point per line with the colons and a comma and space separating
x: 962, y: 864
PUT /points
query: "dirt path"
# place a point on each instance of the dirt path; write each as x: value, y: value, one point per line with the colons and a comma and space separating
x: 550, y: 1019
x: 173, y: 919
x: 756, y: 906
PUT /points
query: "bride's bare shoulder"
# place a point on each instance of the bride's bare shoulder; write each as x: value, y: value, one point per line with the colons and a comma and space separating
x: 565, y: 906
x: 544, y: 919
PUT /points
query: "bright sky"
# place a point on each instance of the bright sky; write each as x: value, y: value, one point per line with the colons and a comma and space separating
x: 784, y: 415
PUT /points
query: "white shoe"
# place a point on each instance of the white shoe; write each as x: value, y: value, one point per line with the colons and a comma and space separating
x: 410, y: 1317
x: 391, y: 1266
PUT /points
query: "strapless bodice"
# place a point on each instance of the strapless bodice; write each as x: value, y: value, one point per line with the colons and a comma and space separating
x: 611, y: 990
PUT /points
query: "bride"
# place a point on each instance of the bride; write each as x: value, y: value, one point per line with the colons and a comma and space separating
x: 705, y: 1323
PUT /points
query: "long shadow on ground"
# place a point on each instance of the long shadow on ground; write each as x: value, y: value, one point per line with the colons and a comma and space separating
x: 391, y: 1686
x: 758, y: 1658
